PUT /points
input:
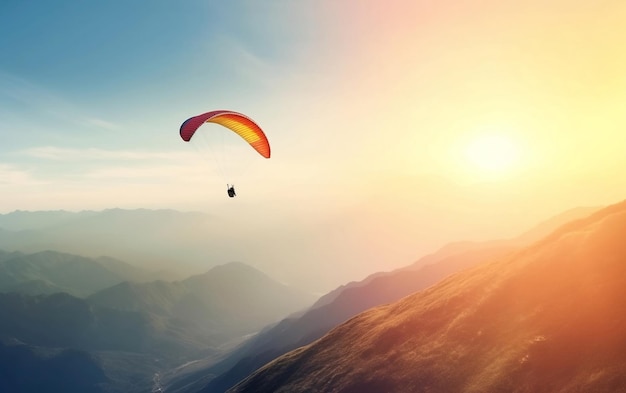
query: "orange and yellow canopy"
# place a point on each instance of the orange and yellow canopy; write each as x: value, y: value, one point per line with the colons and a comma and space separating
x: 236, y: 122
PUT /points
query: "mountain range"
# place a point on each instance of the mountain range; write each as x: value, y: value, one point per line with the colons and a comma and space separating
x: 226, y: 303
x: 545, y: 318
x: 348, y: 300
x: 140, y: 332
x: 151, y: 325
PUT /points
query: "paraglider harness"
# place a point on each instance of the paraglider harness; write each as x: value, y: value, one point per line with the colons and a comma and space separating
x: 231, y: 190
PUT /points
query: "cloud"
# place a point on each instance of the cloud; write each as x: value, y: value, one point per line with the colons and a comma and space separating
x: 172, y: 173
x: 100, y: 123
x: 114, y: 168
x: 94, y: 154
x: 48, y: 176
x: 11, y: 175
x: 239, y: 60
x: 15, y: 90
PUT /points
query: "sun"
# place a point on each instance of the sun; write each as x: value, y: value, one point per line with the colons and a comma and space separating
x: 492, y: 154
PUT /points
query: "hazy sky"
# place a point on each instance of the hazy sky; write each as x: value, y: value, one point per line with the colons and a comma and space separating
x: 396, y: 126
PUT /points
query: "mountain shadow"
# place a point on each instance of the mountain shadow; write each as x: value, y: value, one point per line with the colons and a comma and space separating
x: 28, y: 369
x: 61, y: 320
x: 56, y: 331
x: 547, y: 318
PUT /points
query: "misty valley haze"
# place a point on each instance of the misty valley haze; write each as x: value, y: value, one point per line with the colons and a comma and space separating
x: 106, y: 325
x: 172, y: 245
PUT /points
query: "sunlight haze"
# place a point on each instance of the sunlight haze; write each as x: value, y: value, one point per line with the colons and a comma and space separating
x: 492, y: 154
x: 394, y: 129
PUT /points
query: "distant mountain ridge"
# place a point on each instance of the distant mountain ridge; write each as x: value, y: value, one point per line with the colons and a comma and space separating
x: 142, y: 237
x: 233, y: 299
x: 48, y: 272
x: 547, y: 318
x: 21, y: 220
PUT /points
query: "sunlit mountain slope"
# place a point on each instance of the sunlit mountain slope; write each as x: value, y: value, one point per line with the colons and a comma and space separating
x: 348, y: 300
x: 549, y: 318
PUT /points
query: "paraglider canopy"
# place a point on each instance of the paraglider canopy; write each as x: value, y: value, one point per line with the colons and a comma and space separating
x: 234, y: 121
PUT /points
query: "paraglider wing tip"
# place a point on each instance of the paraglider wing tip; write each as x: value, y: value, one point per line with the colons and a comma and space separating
x: 185, y: 134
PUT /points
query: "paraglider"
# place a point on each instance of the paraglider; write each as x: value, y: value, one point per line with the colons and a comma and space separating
x: 236, y: 122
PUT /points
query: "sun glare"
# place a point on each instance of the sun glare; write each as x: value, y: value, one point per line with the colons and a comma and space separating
x: 492, y: 154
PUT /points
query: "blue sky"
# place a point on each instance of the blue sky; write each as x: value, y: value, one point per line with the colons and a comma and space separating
x: 106, y: 65
x: 92, y: 96
x: 382, y: 120
x: 92, y: 80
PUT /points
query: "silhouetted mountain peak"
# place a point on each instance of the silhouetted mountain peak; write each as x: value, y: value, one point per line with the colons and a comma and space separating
x: 236, y: 266
x: 232, y: 272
